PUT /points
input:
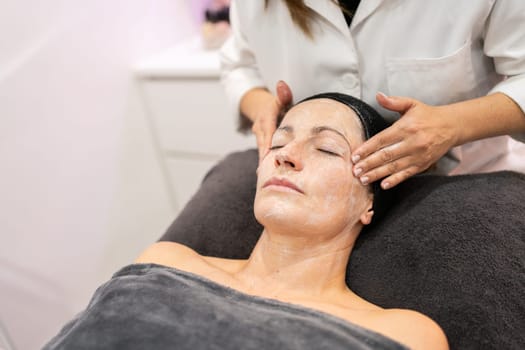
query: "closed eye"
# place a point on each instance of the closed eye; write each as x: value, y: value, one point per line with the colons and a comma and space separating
x: 275, y: 147
x: 328, y: 152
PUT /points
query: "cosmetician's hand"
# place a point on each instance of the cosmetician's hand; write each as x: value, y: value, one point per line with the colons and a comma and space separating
x: 265, y: 116
x: 411, y: 145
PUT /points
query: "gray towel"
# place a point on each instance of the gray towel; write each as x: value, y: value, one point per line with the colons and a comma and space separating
x: 148, y: 306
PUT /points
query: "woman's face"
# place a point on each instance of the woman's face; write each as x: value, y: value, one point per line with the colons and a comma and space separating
x: 305, y: 183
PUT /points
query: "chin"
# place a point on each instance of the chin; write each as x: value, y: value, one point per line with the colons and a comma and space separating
x: 282, y: 214
x: 271, y: 211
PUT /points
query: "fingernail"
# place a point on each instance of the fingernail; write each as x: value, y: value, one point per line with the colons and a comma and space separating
x: 358, y: 171
x: 364, y: 180
x: 356, y: 158
x: 382, y: 94
x: 385, y: 185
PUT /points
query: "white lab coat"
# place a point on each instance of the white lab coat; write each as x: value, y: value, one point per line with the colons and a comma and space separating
x: 438, y: 52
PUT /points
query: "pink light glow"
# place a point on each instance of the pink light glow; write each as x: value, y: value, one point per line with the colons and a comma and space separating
x: 197, y: 7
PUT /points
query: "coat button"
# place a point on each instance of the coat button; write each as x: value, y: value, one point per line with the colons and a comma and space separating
x: 349, y: 80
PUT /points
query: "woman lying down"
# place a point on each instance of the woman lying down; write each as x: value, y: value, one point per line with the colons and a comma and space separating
x: 291, y: 292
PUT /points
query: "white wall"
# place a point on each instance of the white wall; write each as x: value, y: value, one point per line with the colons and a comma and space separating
x: 80, y: 189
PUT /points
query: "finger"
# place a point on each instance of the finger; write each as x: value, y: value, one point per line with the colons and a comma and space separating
x: 385, y: 138
x: 394, y: 103
x: 397, y: 178
x: 384, y: 163
x: 383, y: 156
x: 284, y: 94
x: 387, y: 170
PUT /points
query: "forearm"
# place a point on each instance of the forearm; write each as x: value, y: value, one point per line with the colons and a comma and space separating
x: 239, y: 70
x: 488, y: 116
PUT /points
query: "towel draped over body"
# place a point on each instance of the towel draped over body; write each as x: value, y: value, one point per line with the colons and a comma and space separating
x: 148, y: 306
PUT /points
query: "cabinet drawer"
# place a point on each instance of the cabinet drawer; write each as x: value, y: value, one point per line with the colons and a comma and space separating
x: 192, y: 115
x: 186, y: 175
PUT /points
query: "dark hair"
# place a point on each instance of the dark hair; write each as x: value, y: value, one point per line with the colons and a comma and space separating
x: 372, y: 123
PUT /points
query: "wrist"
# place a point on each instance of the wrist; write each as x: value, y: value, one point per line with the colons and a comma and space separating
x: 455, y: 124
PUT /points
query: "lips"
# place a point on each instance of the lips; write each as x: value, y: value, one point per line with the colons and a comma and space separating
x: 283, y: 183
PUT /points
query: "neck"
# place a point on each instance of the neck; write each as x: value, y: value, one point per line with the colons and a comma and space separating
x: 284, y: 264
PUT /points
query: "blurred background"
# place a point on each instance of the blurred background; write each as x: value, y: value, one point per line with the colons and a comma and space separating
x: 88, y: 171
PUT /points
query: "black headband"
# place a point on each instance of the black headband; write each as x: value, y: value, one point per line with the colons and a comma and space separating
x: 372, y: 123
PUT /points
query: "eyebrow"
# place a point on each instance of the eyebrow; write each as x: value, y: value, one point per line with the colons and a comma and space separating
x: 315, y: 131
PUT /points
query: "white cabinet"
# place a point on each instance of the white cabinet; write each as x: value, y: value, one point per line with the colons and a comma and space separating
x: 188, y: 115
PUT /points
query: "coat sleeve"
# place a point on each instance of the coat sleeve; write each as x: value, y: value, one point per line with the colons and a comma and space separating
x: 239, y: 70
x: 505, y: 44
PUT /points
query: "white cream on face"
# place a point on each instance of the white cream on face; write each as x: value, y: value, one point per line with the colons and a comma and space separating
x: 333, y: 199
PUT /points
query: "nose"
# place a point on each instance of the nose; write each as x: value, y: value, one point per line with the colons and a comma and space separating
x: 289, y: 157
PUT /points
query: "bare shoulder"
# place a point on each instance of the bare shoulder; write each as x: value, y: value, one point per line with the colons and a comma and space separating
x: 169, y: 254
x: 182, y: 257
x: 414, y: 329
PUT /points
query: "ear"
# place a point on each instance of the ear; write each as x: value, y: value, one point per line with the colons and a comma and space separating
x: 368, y: 213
